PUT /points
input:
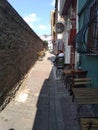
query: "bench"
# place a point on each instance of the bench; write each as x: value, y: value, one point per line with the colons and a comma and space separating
x: 89, y: 123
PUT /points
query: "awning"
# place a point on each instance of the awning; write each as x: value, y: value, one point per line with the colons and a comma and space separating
x: 66, y: 7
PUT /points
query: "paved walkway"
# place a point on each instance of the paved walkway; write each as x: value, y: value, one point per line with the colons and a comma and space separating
x: 42, y: 103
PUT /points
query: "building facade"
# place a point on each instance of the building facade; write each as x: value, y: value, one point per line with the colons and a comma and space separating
x: 81, y: 35
x: 65, y: 12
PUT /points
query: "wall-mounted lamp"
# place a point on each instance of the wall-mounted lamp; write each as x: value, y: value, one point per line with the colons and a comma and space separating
x: 59, y: 27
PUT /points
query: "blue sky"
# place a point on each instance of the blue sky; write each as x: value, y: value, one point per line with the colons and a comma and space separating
x: 36, y: 13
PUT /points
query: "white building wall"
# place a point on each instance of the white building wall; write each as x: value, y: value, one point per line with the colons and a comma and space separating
x: 67, y: 48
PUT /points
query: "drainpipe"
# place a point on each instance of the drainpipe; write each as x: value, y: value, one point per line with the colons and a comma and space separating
x: 74, y: 6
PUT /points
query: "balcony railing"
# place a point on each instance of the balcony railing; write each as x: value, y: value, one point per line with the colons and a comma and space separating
x: 87, y: 37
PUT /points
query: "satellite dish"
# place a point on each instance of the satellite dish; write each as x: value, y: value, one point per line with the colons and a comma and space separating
x: 59, y: 27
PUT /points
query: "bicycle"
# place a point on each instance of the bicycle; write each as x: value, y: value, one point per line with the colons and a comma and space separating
x: 59, y: 66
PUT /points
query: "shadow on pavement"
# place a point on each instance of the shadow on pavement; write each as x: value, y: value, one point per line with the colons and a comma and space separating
x: 43, y: 105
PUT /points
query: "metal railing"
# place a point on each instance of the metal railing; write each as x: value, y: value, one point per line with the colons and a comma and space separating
x: 82, y: 37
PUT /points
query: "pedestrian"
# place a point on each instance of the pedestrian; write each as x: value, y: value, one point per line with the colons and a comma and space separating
x: 58, y: 56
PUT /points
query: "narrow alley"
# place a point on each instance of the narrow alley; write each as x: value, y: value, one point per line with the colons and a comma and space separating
x: 42, y: 102
x: 32, y: 95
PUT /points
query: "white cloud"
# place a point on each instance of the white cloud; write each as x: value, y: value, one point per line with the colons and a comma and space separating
x: 34, y: 22
x: 53, y: 2
x: 44, y: 27
x: 31, y: 18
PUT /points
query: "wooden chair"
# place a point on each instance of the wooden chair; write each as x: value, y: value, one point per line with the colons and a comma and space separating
x: 64, y: 76
x: 81, y: 82
x: 89, y: 123
x: 79, y: 78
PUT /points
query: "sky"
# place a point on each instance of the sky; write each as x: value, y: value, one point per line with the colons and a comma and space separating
x: 36, y: 13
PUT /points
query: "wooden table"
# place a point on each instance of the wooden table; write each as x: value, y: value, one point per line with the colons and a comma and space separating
x: 74, y: 71
x: 85, y: 95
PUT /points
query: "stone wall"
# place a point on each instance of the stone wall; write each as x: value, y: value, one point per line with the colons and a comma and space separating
x: 18, y: 47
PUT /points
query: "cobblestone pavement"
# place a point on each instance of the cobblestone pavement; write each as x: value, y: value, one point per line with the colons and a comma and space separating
x: 42, y: 102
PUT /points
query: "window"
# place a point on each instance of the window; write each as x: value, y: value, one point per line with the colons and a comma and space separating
x: 92, y: 38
